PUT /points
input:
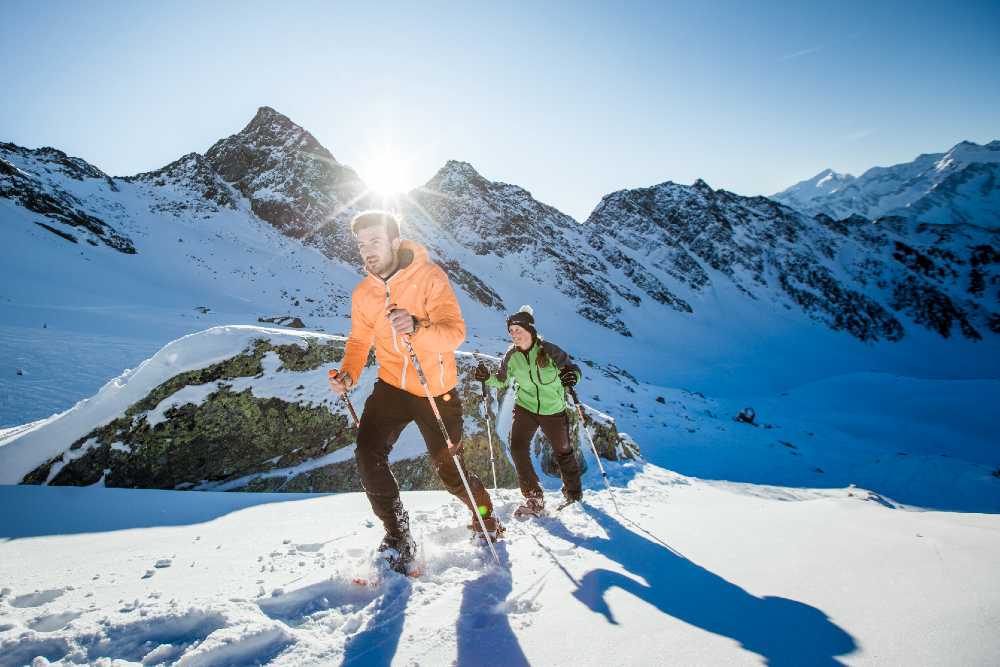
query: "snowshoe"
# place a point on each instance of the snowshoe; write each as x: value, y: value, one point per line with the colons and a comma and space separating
x: 394, y: 554
x: 399, y: 553
x: 570, y: 498
x: 531, y: 507
x: 494, y: 530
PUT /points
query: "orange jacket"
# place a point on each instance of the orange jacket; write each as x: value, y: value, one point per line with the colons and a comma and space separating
x: 421, y: 287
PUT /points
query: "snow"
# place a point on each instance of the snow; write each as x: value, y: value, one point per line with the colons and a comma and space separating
x: 856, y: 521
x: 691, y: 573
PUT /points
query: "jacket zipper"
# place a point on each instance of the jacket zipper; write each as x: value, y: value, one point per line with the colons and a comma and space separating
x: 395, y: 344
x: 538, y: 395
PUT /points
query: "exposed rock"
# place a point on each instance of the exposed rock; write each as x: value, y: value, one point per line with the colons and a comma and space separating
x: 238, y: 441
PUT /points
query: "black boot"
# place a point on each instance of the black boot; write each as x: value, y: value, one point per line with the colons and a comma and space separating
x: 397, y: 547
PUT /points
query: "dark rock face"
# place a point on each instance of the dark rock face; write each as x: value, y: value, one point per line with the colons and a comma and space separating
x: 238, y: 441
x: 291, y: 181
x: 931, y: 307
x: 42, y: 195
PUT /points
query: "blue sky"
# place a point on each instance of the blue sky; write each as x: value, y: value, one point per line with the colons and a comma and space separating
x: 571, y: 101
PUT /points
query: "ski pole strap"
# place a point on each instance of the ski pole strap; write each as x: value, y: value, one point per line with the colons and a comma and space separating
x: 350, y: 407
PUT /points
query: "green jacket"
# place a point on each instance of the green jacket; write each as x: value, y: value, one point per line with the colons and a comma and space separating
x: 538, y: 389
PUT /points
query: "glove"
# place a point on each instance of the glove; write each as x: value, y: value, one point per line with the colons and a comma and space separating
x: 567, y: 375
x: 482, y: 373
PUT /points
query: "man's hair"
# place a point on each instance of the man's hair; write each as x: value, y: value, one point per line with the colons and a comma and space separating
x: 376, y: 218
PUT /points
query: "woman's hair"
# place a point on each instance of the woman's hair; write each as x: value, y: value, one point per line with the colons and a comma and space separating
x: 543, y: 357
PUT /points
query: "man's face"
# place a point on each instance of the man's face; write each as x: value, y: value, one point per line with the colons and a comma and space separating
x: 377, y: 251
x: 520, y: 336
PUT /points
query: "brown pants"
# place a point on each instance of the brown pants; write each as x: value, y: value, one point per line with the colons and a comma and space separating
x: 556, y: 429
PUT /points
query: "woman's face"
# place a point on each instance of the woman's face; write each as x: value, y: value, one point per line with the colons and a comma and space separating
x: 520, y: 336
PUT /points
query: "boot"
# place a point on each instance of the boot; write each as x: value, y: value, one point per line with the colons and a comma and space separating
x: 399, y: 551
x: 532, y: 506
x: 494, y: 529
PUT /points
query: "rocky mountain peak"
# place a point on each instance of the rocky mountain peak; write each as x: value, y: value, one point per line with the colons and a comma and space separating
x: 271, y: 128
x: 455, y: 175
x: 291, y: 180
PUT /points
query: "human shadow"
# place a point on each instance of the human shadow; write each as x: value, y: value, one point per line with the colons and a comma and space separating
x: 782, y: 631
x: 485, y: 636
x: 376, y: 645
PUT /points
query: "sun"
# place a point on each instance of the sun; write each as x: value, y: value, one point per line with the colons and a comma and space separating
x: 385, y: 173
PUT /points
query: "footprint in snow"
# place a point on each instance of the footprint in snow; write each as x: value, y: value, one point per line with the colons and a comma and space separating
x: 53, y: 622
x: 38, y: 598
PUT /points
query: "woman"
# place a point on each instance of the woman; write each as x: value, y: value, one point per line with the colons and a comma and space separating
x: 541, y: 371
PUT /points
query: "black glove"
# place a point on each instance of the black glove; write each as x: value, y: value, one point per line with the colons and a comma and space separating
x: 567, y: 375
x: 482, y: 373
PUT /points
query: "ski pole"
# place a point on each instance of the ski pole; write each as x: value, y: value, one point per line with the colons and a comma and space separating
x: 447, y: 439
x: 489, y: 435
x: 489, y: 432
x: 333, y: 374
x: 583, y: 422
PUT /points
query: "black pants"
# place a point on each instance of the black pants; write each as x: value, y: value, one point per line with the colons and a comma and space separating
x: 387, y: 412
x: 556, y: 429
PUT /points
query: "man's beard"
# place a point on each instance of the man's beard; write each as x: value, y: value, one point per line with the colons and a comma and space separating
x: 378, y: 267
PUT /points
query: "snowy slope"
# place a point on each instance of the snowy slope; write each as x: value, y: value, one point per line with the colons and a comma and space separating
x: 959, y: 186
x: 77, y: 314
x: 691, y: 573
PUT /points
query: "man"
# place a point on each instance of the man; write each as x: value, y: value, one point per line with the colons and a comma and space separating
x: 405, y: 294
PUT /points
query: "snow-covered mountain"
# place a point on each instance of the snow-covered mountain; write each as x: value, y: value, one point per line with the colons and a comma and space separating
x: 666, y: 291
x: 290, y: 180
x: 960, y: 186
x: 867, y: 279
